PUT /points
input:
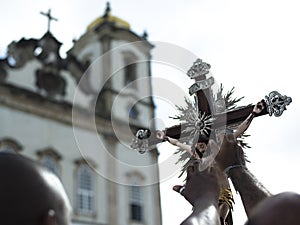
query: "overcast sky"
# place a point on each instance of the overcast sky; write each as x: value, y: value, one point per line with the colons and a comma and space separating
x: 251, y: 45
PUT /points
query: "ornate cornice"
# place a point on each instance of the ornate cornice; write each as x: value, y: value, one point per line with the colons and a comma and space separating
x: 60, y: 111
x: 12, y: 143
x: 49, y: 151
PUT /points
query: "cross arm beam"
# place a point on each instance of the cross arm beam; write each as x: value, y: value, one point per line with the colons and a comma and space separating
x: 275, y: 104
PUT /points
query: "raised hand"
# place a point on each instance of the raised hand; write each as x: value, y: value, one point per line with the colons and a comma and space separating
x: 200, y: 185
x: 231, y: 154
x: 202, y: 191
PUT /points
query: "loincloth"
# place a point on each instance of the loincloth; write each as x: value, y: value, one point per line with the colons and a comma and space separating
x: 226, y: 197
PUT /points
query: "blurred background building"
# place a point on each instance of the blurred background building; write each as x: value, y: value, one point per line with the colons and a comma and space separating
x: 73, y: 115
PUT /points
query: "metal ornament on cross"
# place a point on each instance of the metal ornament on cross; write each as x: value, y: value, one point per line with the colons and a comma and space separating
x: 208, y: 111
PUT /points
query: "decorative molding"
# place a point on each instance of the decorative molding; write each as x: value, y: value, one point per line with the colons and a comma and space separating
x: 33, y: 103
x: 277, y: 103
x: 11, y: 143
x: 85, y: 161
x: 82, y: 222
x: 135, y: 174
x: 199, y: 68
x: 200, y: 85
x: 50, y: 81
x: 49, y: 151
x: 141, y: 141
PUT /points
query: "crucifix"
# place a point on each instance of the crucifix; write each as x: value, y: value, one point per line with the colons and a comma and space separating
x: 211, y: 113
x: 50, y: 17
x: 206, y: 116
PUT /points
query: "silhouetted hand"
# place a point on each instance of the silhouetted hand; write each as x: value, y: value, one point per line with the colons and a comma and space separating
x: 230, y: 153
x: 200, y: 186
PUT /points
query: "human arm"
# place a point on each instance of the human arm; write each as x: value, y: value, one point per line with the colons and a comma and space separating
x: 258, y: 108
x: 252, y: 192
x: 205, y: 212
x: 232, y: 161
x: 202, y: 191
x: 279, y: 209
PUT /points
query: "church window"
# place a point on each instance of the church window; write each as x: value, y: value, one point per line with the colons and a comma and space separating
x: 11, y: 61
x: 51, y: 164
x: 10, y: 146
x: 38, y: 51
x: 130, y: 69
x: 85, y: 190
x: 7, y: 149
x: 136, y: 203
x: 135, y: 197
x: 49, y: 158
x: 133, y: 112
x: 130, y: 73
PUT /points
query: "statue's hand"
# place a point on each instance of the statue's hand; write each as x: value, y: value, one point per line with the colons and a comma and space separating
x: 258, y: 108
x: 160, y: 135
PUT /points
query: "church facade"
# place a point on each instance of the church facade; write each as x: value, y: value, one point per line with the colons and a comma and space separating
x: 77, y: 116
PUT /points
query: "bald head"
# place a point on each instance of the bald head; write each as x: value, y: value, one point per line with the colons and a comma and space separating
x: 279, y: 209
x: 30, y: 194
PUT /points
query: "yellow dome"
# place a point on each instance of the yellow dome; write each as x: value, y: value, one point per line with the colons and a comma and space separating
x: 107, y: 17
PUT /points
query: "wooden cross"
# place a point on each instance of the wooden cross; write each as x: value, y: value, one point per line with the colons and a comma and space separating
x: 275, y: 104
x: 49, y: 16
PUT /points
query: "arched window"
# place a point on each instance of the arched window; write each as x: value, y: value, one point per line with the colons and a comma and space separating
x: 9, y: 145
x: 130, y: 69
x: 49, y: 158
x: 133, y: 112
x: 136, y: 198
x: 136, y: 203
x: 85, y: 190
x: 130, y: 73
x: 7, y: 148
x: 51, y: 164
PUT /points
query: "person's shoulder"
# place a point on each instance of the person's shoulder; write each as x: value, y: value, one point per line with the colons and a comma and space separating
x: 282, y: 208
x: 288, y: 198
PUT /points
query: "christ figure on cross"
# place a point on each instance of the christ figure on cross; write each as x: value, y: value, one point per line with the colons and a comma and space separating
x: 225, y: 140
x: 201, y: 126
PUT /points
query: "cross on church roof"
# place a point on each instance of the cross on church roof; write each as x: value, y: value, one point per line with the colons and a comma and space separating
x: 208, y: 109
x: 50, y: 17
x: 107, y: 10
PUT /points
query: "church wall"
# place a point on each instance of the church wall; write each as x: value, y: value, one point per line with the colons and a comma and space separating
x: 85, y: 44
x: 141, y: 170
x: 137, y: 91
x: 25, y: 76
x: 46, y: 121
x: 90, y: 55
x: 152, y: 196
x: 70, y: 87
x: 123, y: 50
x: 37, y: 133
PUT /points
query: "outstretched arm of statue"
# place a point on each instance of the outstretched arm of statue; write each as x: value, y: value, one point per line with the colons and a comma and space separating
x: 258, y: 108
x: 161, y: 135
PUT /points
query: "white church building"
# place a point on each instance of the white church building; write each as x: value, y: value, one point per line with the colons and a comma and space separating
x: 77, y: 115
